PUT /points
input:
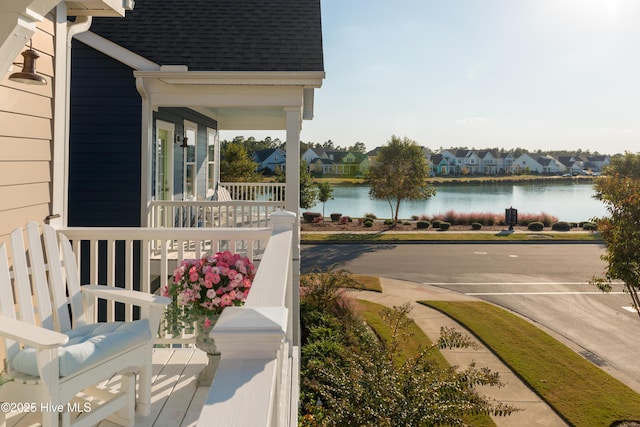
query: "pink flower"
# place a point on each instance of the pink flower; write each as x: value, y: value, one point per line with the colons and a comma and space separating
x: 207, y: 322
x: 193, y: 274
x: 205, y: 286
x: 225, y: 300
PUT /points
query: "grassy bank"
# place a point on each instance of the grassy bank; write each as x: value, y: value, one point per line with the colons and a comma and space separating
x: 468, y: 179
x: 578, y: 390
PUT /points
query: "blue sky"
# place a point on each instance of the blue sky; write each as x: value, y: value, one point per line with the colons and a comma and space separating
x: 548, y: 74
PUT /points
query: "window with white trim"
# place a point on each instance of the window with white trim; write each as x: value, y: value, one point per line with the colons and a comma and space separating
x: 190, y: 171
x: 212, y: 137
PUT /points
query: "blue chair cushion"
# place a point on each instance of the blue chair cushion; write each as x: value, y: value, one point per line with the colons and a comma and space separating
x: 87, y: 346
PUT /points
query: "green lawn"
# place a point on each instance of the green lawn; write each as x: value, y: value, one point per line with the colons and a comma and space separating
x: 578, y: 390
x: 449, y: 236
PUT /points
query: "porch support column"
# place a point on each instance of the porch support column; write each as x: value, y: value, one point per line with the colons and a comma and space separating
x: 292, y: 204
x: 146, y: 151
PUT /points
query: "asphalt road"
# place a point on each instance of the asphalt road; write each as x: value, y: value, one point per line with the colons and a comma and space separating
x: 547, y: 283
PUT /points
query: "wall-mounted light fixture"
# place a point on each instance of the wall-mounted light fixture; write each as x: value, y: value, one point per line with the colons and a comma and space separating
x: 183, y: 139
x: 28, y: 74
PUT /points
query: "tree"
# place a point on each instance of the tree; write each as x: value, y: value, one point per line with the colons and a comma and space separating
x: 619, y: 189
x: 400, y: 173
x: 325, y: 193
x: 328, y: 145
x: 308, y: 189
x: 236, y: 165
x: 358, y: 147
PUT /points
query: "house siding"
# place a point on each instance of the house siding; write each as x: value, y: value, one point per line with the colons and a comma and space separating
x: 26, y: 129
x: 104, y: 142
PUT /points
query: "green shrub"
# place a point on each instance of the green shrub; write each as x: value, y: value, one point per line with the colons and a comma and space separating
x: 444, y: 225
x: 388, y: 221
x: 561, y: 226
x: 345, y: 220
x: 535, y: 226
x: 476, y: 226
x: 370, y: 216
x: 589, y: 226
x: 368, y: 223
x: 352, y: 376
x: 422, y: 224
x: 311, y: 216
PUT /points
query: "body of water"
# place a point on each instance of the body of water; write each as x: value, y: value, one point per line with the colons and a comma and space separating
x: 567, y: 201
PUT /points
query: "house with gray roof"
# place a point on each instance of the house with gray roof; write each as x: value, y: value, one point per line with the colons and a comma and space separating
x: 550, y: 165
x: 489, y: 161
x: 314, y: 153
x: 596, y: 163
x: 158, y: 85
x: 505, y: 162
x: 525, y: 163
x: 270, y: 160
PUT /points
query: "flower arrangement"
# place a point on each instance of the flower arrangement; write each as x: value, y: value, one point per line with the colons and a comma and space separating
x: 202, y: 288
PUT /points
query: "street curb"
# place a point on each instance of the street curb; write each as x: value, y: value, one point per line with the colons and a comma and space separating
x: 450, y: 242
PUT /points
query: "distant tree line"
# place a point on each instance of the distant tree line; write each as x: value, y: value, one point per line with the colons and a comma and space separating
x: 252, y: 144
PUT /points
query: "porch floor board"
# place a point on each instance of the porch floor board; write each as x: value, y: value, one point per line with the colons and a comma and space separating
x: 176, y: 400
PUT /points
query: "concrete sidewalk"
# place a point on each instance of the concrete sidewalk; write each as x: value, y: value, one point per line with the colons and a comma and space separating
x: 534, y: 412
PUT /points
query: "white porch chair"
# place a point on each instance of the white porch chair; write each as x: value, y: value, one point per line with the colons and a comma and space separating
x: 54, y: 349
x: 222, y: 215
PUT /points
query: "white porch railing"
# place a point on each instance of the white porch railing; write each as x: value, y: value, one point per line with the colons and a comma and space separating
x: 260, y: 191
x: 208, y: 214
x: 257, y: 381
x: 144, y: 258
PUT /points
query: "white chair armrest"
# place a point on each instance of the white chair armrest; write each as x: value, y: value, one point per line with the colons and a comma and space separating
x: 126, y: 296
x: 26, y: 333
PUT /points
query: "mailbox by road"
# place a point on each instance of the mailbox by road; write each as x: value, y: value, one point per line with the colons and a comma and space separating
x: 511, y: 217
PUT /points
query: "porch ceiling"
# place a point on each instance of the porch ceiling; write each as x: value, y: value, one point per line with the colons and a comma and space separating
x: 273, y: 118
x: 236, y: 100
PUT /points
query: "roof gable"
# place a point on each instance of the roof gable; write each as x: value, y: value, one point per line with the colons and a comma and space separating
x: 222, y: 35
x: 353, y: 157
x: 264, y: 154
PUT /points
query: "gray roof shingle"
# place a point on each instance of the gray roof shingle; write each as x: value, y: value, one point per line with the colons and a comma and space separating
x: 222, y: 35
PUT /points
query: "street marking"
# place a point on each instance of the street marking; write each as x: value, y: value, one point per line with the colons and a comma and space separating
x: 631, y: 309
x: 513, y: 256
x: 541, y: 293
x: 479, y: 253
